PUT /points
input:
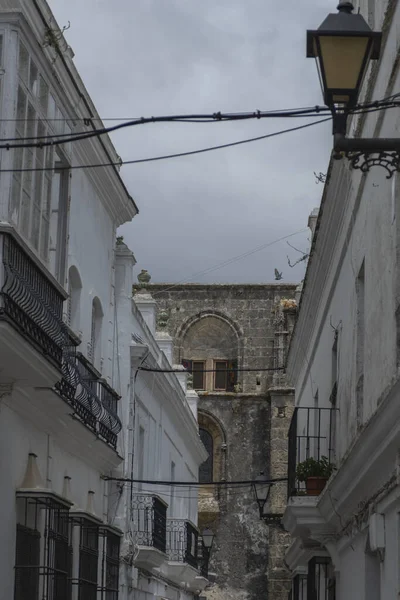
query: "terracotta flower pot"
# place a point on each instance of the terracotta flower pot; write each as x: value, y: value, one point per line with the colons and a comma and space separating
x: 315, y: 485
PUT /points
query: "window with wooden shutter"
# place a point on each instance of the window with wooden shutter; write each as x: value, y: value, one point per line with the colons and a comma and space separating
x: 232, y: 375
x: 198, y: 367
x: 220, y: 375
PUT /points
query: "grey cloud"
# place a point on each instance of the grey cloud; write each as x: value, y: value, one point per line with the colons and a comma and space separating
x: 162, y: 57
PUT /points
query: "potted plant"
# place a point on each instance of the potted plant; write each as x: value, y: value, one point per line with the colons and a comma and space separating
x: 315, y: 474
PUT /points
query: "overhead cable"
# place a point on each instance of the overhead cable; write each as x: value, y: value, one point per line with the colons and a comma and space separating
x: 233, y: 370
x: 65, y: 138
x: 194, y: 483
x: 168, y: 156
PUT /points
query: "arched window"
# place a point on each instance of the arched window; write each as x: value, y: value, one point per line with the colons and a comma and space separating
x: 211, y: 344
x: 95, y: 335
x: 206, y: 468
x: 74, y: 299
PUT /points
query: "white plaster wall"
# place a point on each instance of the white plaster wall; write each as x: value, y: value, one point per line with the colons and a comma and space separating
x: 18, y: 438
x: 368, y: 233
x: 91, y: 251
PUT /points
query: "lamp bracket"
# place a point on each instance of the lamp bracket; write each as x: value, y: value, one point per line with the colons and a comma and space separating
x: 365, y: 160
x: 273, y: 520
x: 364, y: 153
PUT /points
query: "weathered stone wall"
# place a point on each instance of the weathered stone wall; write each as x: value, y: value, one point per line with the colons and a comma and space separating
x: 250, y: 309
x: 245, y: 550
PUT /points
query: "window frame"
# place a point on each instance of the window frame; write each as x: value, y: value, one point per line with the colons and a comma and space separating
x: 31, y: 194
x: 204, y: 379
x: 45, y: 518
x: 216, y: 372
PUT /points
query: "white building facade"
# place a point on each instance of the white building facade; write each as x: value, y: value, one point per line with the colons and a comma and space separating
x: 67, y: 387
x: 344, y: 363
x: 162, y: 550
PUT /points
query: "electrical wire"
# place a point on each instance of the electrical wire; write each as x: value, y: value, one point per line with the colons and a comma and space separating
x: 58, y: 139
x: 246, y: 370
x: 88, y: 120
x: 230, y: 261
x: 168, y: 156
x: 195, y: 483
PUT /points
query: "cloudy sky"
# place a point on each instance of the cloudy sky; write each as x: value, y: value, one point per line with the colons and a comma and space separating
x: 158, y: 57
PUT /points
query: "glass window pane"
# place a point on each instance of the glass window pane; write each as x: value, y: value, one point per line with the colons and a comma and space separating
x: 198, y: 375
x: 51, y: 111
x: 21, y: 108
x: 33, y: 79
x: 343, y: 58
x: 43, y: 95
x: 23, y: 63
x: 220, y: 375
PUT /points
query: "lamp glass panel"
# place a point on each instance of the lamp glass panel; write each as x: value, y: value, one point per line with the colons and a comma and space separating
x: 261, y: 490
x: 342, y: 60
x: 208, y: 538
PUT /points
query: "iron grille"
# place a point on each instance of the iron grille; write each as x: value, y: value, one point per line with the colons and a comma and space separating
x: 43, y: 564
x: 30, y: 302
x: 93, y: 400
x: 320, y: 585
x: 88, y: 560
x: 27, y: 561
x: 311, y: 434
x: 109, y: 423
x: 300, y: 587
x: 182, y: 542
x: 149, y: 519
x: 112, y: 566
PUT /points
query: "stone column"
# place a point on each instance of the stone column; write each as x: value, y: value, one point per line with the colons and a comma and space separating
x: 282, y: 404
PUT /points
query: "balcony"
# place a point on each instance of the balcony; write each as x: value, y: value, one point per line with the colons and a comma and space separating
x: 31, y: 306
x: 312, y: 434
x: 182, y: 550
x: 94, y: 402
x: 149, y: 521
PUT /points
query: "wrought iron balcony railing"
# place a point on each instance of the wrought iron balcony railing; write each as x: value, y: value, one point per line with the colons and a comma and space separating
x: 149, y: 519
x: 311, y: 435
x: 93, y: 400
x: 29, y: 301
x: 182, y: 542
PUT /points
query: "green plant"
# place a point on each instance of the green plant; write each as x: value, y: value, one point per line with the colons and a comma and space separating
x: 314, y: 468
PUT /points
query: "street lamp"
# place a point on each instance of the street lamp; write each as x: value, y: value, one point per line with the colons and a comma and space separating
x: 343, y: 46
x: 261, y: 488
x: 208, y: 539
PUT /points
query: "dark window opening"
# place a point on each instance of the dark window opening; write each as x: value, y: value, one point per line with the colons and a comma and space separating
x: 88, y: 560
x: 198, y: 375
x: 206, y: 468
x: 27, y: 561
x: 43, y: 559
x: 221, y: 375
x: 112, y: 566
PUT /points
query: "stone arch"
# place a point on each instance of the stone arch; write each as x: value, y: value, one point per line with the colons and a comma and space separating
x: 210, y: 496
x: 183, y: 329
x: 209, y: 334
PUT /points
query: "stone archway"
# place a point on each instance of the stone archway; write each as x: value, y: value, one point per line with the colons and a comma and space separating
x: 210, y: 496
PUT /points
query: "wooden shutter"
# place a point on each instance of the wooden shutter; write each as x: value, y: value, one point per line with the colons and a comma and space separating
x: 232, y: 375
